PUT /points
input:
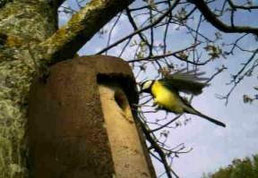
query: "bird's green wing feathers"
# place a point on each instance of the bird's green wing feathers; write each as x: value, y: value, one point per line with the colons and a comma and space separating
x: 189, y: 82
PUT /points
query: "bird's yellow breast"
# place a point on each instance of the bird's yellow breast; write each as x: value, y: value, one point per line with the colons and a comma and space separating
x: 166, y: 98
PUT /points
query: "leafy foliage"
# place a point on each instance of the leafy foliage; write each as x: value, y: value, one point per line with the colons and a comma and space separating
x: 246, y: 168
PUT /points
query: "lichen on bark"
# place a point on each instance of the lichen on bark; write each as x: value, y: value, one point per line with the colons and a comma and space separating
x: 14, y: 88
x: 22, y: 28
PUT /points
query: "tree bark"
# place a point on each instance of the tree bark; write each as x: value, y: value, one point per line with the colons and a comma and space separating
x: 21, y: 28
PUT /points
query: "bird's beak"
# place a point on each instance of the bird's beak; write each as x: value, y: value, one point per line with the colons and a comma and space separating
x: 144, y: 89
x: 141, y: 91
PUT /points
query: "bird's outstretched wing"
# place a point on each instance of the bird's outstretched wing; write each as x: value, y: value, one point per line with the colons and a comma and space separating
x: 189, y: 82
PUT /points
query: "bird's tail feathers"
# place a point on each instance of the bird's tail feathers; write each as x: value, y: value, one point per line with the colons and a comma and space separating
x: 195, y: 112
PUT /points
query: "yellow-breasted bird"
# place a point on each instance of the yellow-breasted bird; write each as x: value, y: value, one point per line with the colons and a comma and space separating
x: 166, y: 96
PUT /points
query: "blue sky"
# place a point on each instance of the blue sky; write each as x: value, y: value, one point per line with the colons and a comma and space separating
x: 213, y: 147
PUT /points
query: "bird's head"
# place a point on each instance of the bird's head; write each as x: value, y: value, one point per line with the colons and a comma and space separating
x: 146, y: 86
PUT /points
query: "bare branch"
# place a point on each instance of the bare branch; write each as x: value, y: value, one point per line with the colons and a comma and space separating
x: 111, y: 30
x: 131, y: 20
x: 147, y: 7
x: 175, y: 54
x: 158, y: 149
x: 80, y: 29
x: 166, y: 124
x: 142, y: 29
x: 242, y: 73
x: 234, y: 6
x: 212, y: 18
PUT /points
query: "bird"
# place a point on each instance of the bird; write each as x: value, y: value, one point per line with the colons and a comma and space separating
x: 165, y: 92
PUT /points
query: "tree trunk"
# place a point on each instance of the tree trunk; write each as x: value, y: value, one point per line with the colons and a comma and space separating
x: 23, y: 24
